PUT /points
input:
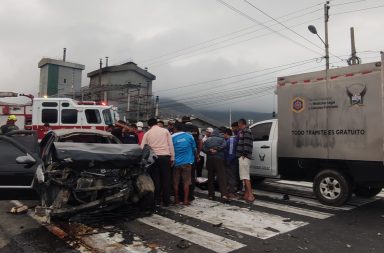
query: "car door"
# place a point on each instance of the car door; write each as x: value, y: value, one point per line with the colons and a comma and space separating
x: 261, y: 165
x: 16, y: 174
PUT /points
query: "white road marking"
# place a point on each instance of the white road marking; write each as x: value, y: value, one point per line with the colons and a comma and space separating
x: 285, y: 208
x: 301, y: 200
x: 380, y: 195
x: 197, y: 236
x: 101, y: 242
x: 253, y: 223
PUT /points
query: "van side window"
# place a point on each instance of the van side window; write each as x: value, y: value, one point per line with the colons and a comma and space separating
x: 261, y: 132
x: 49, y: 104
x: 69, y: 116
x: 49, y: 116
x: 93, y: 116
x: 107, y: 117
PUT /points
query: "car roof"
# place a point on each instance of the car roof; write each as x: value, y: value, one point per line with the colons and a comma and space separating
x: 62, y: 132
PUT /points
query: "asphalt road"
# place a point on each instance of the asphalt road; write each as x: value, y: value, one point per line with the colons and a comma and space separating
x: 271, y: 224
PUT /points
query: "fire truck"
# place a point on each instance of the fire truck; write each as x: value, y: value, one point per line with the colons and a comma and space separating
x: 44, y: 114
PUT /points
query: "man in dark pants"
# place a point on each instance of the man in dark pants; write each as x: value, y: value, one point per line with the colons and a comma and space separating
x: 159, y: 139
x: 214, y: 147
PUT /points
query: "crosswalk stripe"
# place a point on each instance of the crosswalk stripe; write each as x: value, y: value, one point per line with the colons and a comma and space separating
x: 250, y: 222
x: 284, y: 208
x: 300, y: 200
x: 200, y: 237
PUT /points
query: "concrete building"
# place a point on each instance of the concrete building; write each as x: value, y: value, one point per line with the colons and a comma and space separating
x: 126, y: 86
x: 59, y: 78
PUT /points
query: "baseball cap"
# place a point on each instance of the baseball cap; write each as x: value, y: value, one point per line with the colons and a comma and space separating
x: 209, y: 129
x: 139, y: 124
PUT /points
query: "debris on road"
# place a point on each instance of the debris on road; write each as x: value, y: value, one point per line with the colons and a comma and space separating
x: 183, y: 244
x: 19, y: 209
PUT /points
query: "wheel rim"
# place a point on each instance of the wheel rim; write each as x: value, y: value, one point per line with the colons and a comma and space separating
x: 330, y: 188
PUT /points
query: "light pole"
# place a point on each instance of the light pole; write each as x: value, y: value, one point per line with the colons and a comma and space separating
x: 313, y: 30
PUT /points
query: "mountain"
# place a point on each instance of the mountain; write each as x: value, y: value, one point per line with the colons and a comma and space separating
x: 170, y: 108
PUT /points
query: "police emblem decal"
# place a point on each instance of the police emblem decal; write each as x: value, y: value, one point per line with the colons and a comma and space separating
x: 297, y: 104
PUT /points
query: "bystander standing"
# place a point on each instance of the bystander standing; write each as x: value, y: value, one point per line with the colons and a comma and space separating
x: 185, y: 155
x: 214, y: 147
x: 159, y: 139
x: 244, y: 153
x: 231, y: 162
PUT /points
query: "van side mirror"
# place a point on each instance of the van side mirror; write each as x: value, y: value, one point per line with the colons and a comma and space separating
x: 25, y: 159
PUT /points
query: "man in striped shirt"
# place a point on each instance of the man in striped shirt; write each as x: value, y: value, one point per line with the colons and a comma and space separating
x: 244, y: 153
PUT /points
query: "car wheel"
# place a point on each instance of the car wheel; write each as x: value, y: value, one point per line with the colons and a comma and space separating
x: 332, y: 188
x: 366, y: 191
x: 147, y: 202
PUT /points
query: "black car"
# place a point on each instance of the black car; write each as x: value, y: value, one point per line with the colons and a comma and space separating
x: 19, y: 156
x: 77, y: 170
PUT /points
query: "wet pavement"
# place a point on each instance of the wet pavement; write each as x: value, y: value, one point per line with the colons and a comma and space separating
x: 284, y: 218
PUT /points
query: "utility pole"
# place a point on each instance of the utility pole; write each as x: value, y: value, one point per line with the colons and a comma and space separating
x: 157, y: 107
x: 100, y: 69
x: 326, y: 19
x: 353, y: 47
x: 230, y: 116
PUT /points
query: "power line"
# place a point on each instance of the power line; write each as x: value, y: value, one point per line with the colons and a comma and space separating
x: 235, y: 32
x: 267, y: 27
x: 233, y: 76
x: 227, y: 45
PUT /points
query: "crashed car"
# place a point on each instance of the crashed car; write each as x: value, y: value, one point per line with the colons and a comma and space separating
x: 90, y: 170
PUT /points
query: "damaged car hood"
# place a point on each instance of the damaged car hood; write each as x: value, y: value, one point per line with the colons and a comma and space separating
x: 118, y: 154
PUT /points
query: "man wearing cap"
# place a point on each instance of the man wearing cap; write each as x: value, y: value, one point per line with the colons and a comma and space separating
x: 185, y: 155
x: 140, y: 131
x: 10, y: 125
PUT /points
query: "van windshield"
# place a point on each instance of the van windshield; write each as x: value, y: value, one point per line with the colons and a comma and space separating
x: 107, y: 117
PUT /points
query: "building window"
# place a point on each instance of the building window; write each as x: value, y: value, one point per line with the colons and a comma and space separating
x: 93, y: 116
x: 65, y: 80
x: 69, y: 116
x: 49, y: 104
x: 261, y: 132
x: 49, y: 116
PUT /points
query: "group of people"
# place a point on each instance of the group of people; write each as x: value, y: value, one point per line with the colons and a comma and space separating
x: 181, y: 153
x: 128, y: 133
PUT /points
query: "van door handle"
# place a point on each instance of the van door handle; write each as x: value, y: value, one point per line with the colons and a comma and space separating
x: 264, y: 146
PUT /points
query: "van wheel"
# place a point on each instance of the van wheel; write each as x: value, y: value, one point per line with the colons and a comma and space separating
x: 332, y: 188
x: 367, y: 191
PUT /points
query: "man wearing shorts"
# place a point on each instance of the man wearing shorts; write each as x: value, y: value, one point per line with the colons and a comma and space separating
x: 185, y: 154
x: 244, y: 153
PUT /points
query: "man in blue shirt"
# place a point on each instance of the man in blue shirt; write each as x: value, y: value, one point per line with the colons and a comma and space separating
x: 231, y: 162
x: 185, y: 154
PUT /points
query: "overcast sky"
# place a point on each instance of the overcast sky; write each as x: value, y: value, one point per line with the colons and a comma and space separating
x: 186, y: 43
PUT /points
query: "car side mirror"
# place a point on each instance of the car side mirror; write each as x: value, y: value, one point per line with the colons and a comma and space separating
x: 25, y: 159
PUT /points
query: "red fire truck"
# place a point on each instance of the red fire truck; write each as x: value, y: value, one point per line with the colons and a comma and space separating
x: 43, y: 114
